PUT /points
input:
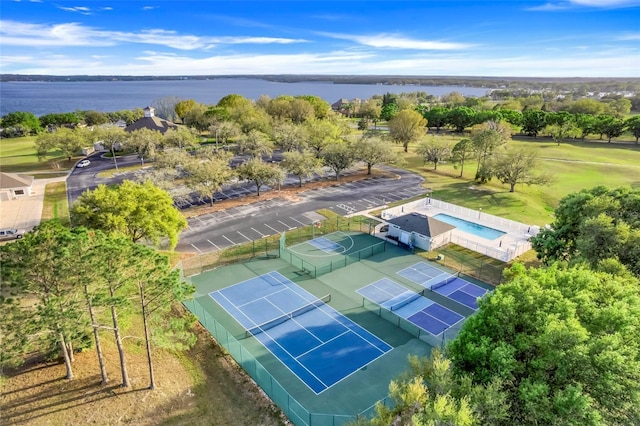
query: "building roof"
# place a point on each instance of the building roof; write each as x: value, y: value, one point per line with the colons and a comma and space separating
x: 421, y: 224
x: 152, y: 123
x: 13, y: 180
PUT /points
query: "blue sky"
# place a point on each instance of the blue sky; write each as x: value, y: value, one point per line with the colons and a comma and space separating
x: 549, y: 38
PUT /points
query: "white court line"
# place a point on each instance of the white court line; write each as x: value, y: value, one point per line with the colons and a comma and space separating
x: 258, y: 232
x: 290, y: 228
x: 217, y: 248
x: 248, y: 239
x: 199, y: 251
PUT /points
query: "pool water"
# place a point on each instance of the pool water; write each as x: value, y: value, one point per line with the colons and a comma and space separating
x: 470, y: 227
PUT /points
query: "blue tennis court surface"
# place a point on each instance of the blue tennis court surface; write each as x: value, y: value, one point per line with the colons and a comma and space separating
x: 314, y: 341
x: 326, y: 245
x: 451, y: 286
x: 415, y: 308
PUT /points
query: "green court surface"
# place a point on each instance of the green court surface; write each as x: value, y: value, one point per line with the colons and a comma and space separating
x: 357, y: 393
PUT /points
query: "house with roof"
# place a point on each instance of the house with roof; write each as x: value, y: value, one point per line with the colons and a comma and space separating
x: 418, y: 230
x: 14, y: 185
x: 151, y: 122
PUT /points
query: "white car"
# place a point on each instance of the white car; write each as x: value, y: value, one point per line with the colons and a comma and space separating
x: 11, y: 234
x: 83, y: 163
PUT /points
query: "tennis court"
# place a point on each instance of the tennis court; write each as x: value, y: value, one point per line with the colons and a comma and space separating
x: 451, y: 286
x: 414, y: 307
x: 324, y: 254
x: 314, y: 341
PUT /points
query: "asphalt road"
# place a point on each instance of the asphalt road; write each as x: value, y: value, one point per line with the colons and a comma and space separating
x: 219, y: 230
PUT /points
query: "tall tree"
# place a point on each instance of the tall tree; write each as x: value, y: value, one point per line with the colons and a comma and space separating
x: 563, y: 342
x: 460, y: 118
x: 592, y: 224
x: 321, y: 133
x: 260, y: 173
x: 182, y: 138
x: 517, y: 167
x: 256, y: 144
x: 68, y: 141
x: 562, y: 131
x: 406, y: 127
x: 433, y: 151
x: 633, y: 125
x: 338, y: 156
x: 436, y: 117
x: 159, y: 288
x: 485, y: 142
x: 289, y: 136
x: 136, y: 210
x: 373, y: 150
x: 183, y: 107
x: 25, y: 120
x: 610, y: 126
x: 533, y: 121
x: 145, y: 143
x: 461, y: 152
x: 206, y: 175
x: 40, y: 269
x: 113, y: 139
x: 301, y: 164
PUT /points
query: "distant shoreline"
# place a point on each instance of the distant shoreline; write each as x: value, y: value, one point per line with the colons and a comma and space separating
x: 474, y: 81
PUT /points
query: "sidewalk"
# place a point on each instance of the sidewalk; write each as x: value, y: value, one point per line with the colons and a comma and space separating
x: 26, y: 212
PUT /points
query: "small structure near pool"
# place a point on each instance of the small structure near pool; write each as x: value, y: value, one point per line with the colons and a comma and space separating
x: 429, y: 223
x: 419, y: 230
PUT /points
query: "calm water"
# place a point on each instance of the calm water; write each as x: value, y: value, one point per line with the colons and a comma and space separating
x: 49, y: 97
x: 470, y: 227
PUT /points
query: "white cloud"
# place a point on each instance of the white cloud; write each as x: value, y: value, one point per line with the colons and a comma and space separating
x: 621, y: 63
x: 74, y: 34
x: 606, y: 3
x: 76, y: 9
x: 630, y: 37
x: 149, y: 7
x: 572, y: 4
x: 398, y: 42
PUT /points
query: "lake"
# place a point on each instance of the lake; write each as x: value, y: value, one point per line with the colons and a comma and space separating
x: 50, y: 97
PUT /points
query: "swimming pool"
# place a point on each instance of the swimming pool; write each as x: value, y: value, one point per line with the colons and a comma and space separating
x: 470, y: 227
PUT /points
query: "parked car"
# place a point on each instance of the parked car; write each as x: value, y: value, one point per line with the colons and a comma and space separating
x: 83, y: 163
x: 11, y: 234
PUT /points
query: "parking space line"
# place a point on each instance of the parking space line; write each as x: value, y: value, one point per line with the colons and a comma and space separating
x: 258, y: 232
x: 290, y: 228
x: 210, y: 242
x: 232, y: 243
x: 271, y: 227
x: 199, y: 251
x: 293, y: 218
x: 247, y: 238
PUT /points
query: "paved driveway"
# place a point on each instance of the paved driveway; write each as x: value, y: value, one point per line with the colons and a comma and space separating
x: 25, y: 212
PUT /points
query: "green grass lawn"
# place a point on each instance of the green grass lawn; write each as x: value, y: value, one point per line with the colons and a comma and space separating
x: 18, y: 155
x: 56, y: 205
x: 574, y: 165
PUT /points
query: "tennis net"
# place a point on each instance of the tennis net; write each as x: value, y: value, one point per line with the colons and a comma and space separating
x: 405, y: 300
x: 288, y: 316
x: 439, y: 282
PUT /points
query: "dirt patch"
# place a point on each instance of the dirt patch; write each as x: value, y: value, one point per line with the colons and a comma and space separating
x: 202, y: 386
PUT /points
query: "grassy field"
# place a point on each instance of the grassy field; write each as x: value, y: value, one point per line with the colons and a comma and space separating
x: 18, y: 155
x: 574, y: 165
x: 56, y: 204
